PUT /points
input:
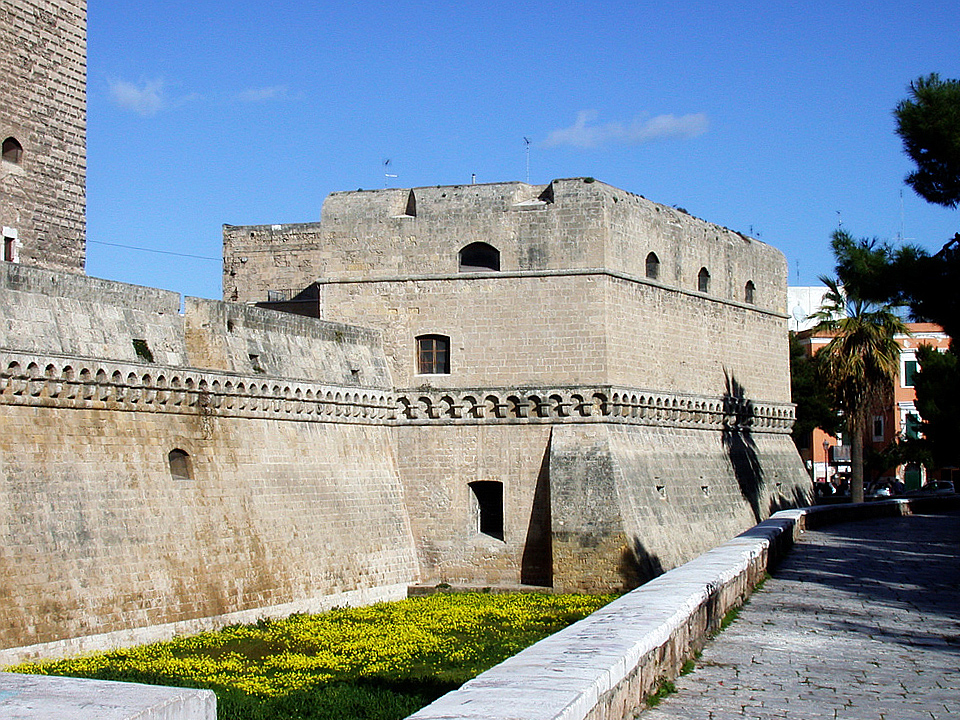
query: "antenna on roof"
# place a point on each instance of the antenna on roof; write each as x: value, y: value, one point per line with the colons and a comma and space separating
x: 387, y: 175
x: 900, y: 237
x: 526, y: 142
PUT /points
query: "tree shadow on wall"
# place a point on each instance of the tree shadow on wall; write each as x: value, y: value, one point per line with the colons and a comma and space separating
x: 536, y: 563
x: 739, y: 443
x: 638, y: 565
x: 801, y: 498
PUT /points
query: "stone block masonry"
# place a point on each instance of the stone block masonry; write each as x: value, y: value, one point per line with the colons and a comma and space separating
x: 616, y: 370
x: 585, y: 283
x: 164, y: 473
x: 43, y: 72
x: 564, y: 385
x: 141, y: 491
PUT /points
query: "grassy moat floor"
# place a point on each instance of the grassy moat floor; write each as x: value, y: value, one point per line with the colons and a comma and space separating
x: 381, y: 662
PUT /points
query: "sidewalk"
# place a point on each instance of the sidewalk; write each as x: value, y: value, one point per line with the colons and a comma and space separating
x: 861, y: 621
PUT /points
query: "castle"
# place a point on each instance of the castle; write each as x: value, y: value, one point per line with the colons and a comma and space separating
x: 561, y: 385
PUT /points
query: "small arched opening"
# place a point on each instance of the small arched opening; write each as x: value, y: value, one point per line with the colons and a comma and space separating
x: 479, y: 257
x: 181, y: 468
x: 653, y: 266
x: 703, y: 280
x: 12, y: 150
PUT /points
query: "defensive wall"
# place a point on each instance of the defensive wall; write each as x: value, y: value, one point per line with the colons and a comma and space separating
x: 563, y: 385
x: 165, y: 473
x: 43, y: 74
x: 571, y: 299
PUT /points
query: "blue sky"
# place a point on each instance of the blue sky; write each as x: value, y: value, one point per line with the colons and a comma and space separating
x: 773, y: 119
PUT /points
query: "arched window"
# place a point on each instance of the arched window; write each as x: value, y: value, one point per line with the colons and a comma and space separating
x: 12, y: 150
x: 180, y: 466
x: 488, y: 507
x: 703, y: 280
x: 479, y: 257
x: 749, y: 292
x: 653, y: 266
x: 433, y: 355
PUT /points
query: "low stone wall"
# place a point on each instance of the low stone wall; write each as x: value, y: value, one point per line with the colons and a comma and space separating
x: 34, y: 697
x: 603, y: 667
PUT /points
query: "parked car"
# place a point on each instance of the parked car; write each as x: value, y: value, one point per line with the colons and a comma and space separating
x: 937, y: 487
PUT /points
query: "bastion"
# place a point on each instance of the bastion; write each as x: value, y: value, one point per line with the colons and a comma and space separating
x: 591, y: 386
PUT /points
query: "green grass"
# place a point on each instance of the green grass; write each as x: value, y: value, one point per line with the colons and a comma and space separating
x: 664, y: 689
x: 381, y: 662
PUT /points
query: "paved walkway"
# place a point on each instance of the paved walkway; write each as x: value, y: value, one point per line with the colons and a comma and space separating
x: 861, y: 622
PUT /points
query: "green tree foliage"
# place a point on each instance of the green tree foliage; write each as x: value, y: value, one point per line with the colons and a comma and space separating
x: 860, y: 364
x: 899, y: 451
x: 938, y: 402
x: 881, y: 273
x: 810, y: 394
x: 928, y: 122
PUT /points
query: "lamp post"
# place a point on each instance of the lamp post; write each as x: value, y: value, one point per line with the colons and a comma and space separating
x: 826, y: 461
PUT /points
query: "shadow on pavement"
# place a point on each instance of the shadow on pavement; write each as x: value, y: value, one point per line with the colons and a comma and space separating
x: 907, y: 567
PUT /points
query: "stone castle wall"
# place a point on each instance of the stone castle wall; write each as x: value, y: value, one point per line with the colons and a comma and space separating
x: 570, y: 304
x: 164, y: 472
x: 566, y: 365
x: 43, y: 106
x: 311, y: 477
x: 666, y: 338
x: 602, y: 487
x: 503, y: 331
x: 293, y: 494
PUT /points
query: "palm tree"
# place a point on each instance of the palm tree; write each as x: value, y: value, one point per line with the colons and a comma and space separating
x: 860, y: 363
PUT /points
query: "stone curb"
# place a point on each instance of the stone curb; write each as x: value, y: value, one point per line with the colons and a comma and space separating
x: 603, y: 667
x: 31, y: 697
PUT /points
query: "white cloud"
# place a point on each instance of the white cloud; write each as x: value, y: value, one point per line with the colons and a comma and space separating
x: 263, y: 93
x: 584, y: 134
x: 145, y: 99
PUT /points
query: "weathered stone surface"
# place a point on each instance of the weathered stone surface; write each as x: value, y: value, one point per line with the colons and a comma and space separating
x: 38, y: 697
x: 571, y: 304
x: 565, y: 328
x: 599, y: 423
x: 293, y: 494
x: 43, y: 74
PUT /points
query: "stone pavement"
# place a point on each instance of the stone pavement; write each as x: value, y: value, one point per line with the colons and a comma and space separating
x: 860, y: 621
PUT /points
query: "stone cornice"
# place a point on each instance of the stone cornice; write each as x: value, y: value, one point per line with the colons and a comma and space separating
x: 572, y: 272
x: 601, y: 403
x: 84, y: 383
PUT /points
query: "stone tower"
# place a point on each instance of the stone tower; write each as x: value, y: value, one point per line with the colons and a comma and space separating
x: 43, y: 70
